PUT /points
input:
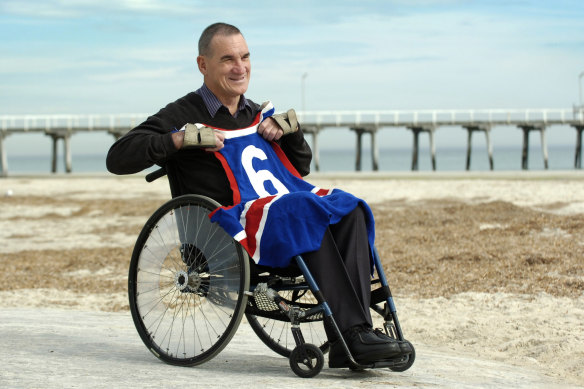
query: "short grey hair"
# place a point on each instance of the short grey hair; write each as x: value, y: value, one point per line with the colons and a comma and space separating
x: 210, y: 32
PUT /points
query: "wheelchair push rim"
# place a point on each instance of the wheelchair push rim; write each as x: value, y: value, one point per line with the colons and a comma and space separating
x: 187, y: 283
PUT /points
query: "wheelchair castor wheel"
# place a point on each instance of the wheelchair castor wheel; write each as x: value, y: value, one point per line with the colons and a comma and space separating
x: 408, y: 362
x: 306, y: 360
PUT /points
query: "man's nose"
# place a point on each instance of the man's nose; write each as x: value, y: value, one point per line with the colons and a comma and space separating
x: 239, y: 66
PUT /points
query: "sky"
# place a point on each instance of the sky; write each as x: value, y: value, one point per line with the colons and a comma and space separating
x: 133, y: 56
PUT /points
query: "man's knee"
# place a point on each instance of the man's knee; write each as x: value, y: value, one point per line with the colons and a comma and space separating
x: 357, y: 215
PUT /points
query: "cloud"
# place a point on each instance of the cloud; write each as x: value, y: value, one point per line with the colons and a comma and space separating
x: 63, y: 9
x: 139, y: 74
x: 391, y: 54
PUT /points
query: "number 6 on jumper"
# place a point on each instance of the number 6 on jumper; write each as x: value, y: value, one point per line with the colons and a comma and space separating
x: 258, y: 178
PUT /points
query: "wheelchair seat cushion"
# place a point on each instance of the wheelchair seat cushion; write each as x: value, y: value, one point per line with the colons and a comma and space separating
x: 277, y: 214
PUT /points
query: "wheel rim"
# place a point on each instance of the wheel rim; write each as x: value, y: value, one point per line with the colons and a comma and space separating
x: 187, y: 308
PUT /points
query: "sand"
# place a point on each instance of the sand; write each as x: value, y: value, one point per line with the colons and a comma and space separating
x: 484, y: 267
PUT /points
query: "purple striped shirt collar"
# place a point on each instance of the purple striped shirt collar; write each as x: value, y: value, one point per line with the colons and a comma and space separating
x: 213, y: 104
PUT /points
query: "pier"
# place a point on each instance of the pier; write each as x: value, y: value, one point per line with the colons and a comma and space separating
x: 420, y: 122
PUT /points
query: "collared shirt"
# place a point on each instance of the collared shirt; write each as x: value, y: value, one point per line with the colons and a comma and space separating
x: 213, y: 104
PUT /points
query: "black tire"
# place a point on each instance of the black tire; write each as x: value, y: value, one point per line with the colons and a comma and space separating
x: 187, y: 283
x: 306, y: 360
x: 277, y: 334
x: 408, y: 363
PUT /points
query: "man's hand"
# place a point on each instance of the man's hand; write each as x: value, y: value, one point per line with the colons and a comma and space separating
x: 178, y: 140
x: 270, y: 130
x: 219, y: 138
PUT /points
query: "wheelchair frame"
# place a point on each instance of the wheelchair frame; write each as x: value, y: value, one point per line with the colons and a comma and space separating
x: 189, y: 287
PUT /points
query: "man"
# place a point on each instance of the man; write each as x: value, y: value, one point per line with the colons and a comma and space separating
x: 341, y: 266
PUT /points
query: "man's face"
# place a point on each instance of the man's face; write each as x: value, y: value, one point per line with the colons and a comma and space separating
x: 226, y: 68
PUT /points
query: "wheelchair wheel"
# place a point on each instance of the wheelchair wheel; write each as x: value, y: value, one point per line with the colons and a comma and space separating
x: 277, y: 334
x: 187, y: 283
x: 306, y: 360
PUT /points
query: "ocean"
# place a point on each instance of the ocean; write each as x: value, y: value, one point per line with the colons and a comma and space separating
x: 343, y: 160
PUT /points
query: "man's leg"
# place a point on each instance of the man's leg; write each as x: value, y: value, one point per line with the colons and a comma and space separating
x: 341, y: 268
x: 351, y: 239
x: 330, y: 273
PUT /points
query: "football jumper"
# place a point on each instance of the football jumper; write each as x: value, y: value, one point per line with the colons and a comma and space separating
x: 276, y: 214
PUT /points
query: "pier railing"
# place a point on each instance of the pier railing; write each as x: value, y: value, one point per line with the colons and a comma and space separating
x: 71, y: 122
x: 63, y: 126
x: 443, y: 117
x: 379, y: 118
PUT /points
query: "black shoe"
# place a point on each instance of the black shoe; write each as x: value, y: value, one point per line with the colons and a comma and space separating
x: 365, y: 346
x: 404, y: 346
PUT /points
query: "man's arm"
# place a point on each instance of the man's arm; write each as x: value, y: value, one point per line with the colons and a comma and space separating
x: 140, y: 148
x: 149, y: 143
x: 297, y: 150
x: 293, y: 144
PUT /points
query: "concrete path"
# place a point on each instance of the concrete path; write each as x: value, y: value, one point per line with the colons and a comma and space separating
x: 50, y: 348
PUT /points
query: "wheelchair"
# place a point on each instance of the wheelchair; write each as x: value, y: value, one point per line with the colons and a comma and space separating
x: 190, y: 284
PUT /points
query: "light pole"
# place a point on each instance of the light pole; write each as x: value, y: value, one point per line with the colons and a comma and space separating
x: 303, y: 93
x: 579, y: 109
x: 580, y: 87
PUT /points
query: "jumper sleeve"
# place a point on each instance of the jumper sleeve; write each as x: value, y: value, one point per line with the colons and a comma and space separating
x: 297, y: 150
x: 143, y: 146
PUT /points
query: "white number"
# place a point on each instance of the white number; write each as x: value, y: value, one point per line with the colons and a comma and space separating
x: 258, y: 178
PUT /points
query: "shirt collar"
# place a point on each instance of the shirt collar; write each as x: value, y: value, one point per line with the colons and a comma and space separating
x: 213, y: 104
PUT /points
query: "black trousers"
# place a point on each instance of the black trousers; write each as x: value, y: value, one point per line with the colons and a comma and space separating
x: 342, y: 270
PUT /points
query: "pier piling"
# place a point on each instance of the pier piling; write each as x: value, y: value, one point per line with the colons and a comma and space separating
x: 359, y: 131
x: 3, y: 158
x: 527, y: 128
x: 65, y: 135
x: 578, y: 153
x: 314, y: 130
x: 415, y: 149
x: 480, y: 128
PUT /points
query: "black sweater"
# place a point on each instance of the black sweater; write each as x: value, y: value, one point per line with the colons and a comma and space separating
x: 192, y: 170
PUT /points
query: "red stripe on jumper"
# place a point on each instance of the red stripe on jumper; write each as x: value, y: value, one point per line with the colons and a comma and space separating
x: 230, y: 176
x: 284, y: 159
x: 322, y: 192
x: 253, y: 220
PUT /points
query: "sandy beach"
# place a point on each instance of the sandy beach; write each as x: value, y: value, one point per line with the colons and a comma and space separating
x: 487, y: 272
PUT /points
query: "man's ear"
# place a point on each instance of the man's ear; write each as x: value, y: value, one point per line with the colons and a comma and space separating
x: 202, y: 64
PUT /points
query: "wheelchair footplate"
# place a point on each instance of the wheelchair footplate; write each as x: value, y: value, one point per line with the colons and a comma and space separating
x: 307, y: 360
